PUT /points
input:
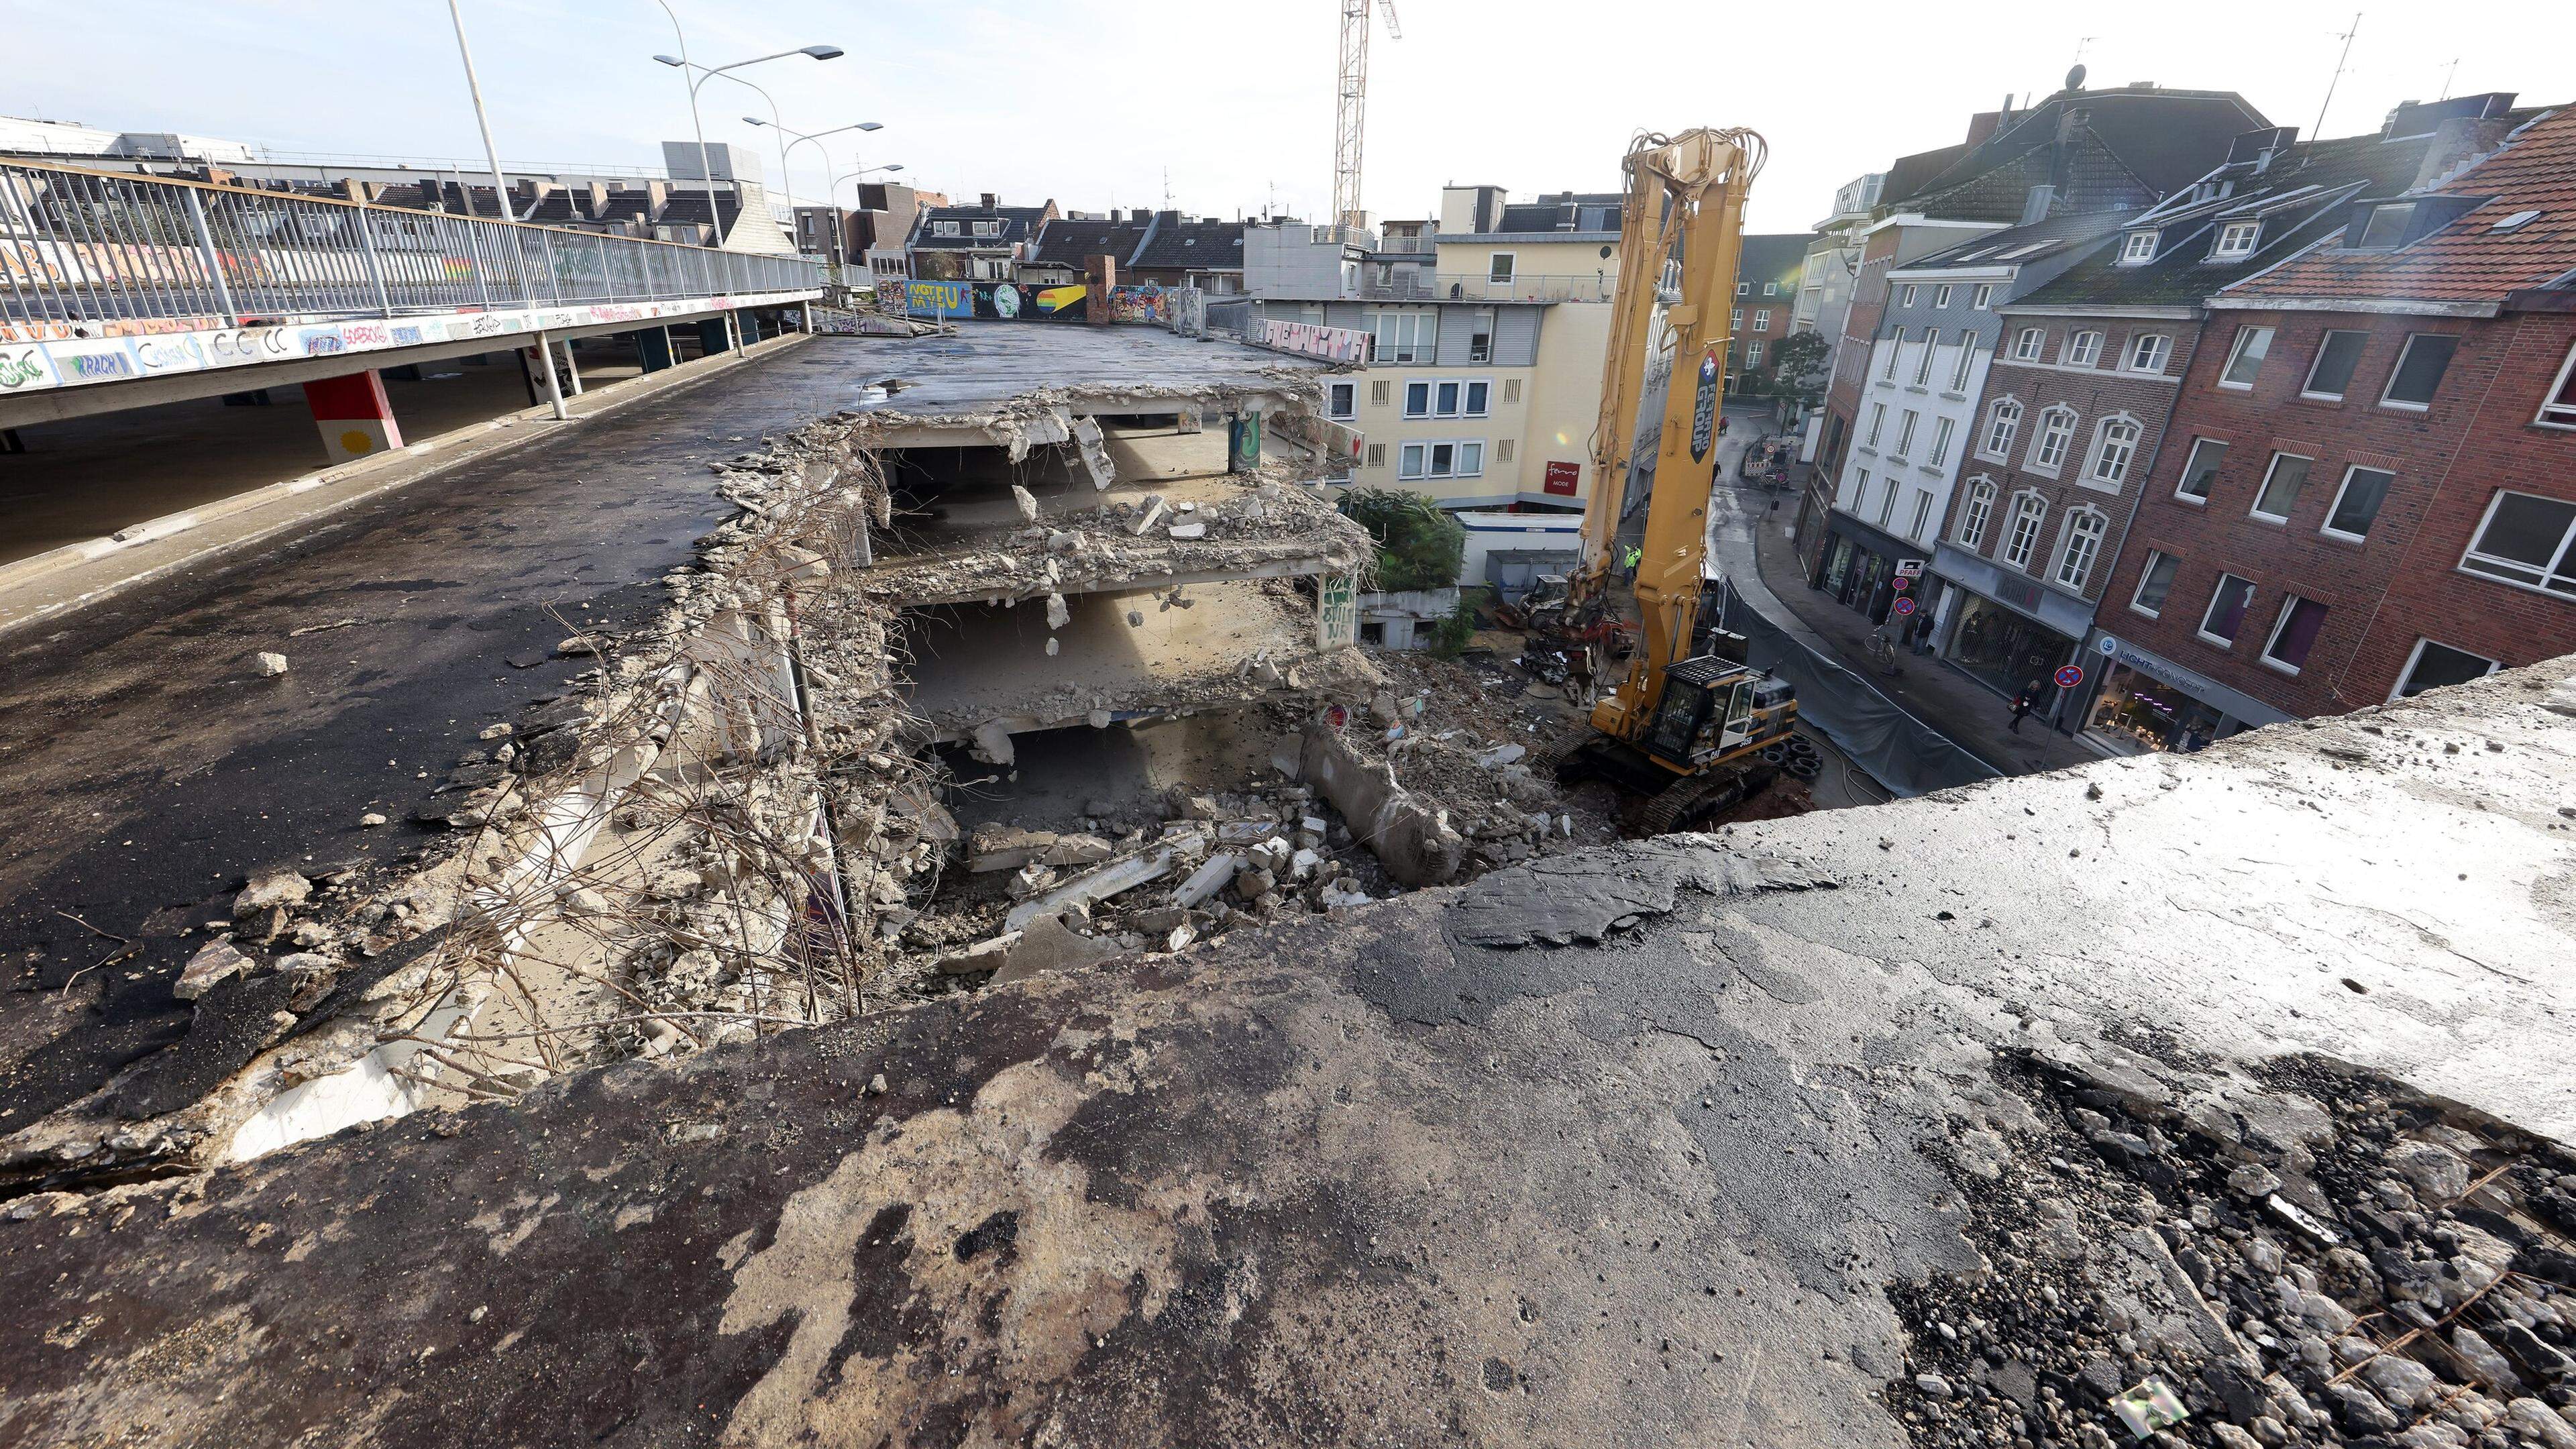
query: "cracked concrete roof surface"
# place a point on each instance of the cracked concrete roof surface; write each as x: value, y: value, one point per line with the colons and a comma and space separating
x: 1627, y: 1147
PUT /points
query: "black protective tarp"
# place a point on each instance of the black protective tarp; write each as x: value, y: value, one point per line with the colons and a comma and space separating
x: 1899, y: 751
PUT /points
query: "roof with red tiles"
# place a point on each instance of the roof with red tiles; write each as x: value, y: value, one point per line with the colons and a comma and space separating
x: 2478, y: 254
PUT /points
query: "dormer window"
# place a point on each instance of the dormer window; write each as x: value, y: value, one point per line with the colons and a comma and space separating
x: 943, y: 228
x: 2236, y: 239
x: 2140, y: 247
x: 2384, y: 227
x: 988, y: 228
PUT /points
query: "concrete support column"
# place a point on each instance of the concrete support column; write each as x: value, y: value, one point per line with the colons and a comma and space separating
x: 353, y: 416
x: 1242, y: 442
x: 554, y: 384
x: 806, y: 309
x: 653, y: 346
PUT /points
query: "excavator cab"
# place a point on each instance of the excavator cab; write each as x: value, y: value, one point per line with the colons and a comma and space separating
x: 1706, y: 712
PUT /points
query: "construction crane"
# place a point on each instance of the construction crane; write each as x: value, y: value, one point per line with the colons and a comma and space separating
x: 1349, y: 113
x: 1691, y: 731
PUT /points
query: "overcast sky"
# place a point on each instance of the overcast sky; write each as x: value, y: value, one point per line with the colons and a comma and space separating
x: 1096, y: 102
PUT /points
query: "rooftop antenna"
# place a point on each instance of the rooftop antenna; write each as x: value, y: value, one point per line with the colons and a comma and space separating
x: 2450, y: 75
x: 2318, y: 131
x: 1167, y: 188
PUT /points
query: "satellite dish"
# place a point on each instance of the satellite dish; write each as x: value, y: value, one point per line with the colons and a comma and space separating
x: 2075, y: 79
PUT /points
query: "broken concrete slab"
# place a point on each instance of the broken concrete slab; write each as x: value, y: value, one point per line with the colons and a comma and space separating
x: 1098, y: 884
x: 985, y: 955
x: 1411, y: 839
x: 1203, y: 883
x: 215, y: 961
x: 271, y: 885
x: 1048, y: 944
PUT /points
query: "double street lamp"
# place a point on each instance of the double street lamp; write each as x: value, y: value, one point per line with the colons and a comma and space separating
x: 708, y: 73
x: 784, y: 145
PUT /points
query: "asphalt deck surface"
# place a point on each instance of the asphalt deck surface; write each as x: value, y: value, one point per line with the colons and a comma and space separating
x: 148, y: 766
x: 1636, y: 1146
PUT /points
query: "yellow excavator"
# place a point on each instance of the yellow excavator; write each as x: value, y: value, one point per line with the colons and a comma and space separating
x: 1688, y: 728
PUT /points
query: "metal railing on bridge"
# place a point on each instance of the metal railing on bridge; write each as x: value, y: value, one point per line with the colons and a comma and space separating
x: 89, y: 250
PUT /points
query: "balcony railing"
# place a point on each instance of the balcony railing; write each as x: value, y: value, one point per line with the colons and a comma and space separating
x: 97, y: 253
x: 1477, y: 287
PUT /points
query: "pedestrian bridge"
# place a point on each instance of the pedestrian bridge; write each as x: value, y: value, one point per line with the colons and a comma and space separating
x: 121, y: 291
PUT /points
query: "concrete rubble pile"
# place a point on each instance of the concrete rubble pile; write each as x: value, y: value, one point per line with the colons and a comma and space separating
x: 1142, y: 544
x: 2326, y: 1258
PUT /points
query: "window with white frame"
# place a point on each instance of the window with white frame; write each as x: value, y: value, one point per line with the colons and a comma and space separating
x: 2282, y: 480
x: 2021, y: 536
x: 1940, y: 453
x: 1877, y: 420
x: 1905, y: 434
x: 1499, y: 267
x: 1452, y: 459
x: 1983, y: 295
x: 2115, y: 446
x: 1887, y: 504
x: 2149, y: 351
x: 1744, y: 289
x: 1446, y: 394
x: 1480, y: 337
x: 2056, y: 430
x: 1895, y: 346
x: 1906, y: 298
x: 2226, y: 612
x: 1734, y: 319
x: 2079, y: 548
x: 2140, y: 247
x: 2155, y: 581
x: 988, y: 228
x: 2245, y: 357
x: 2294, y: 634
x: 2528, y: 541
x: 1478, y: 392
x: 2003, y: 424
x: 2028, y: 343
x: 2338, y: 354
x: 1753, y: 353
x: 1770, y: 289
x: 1923, y: 364
x: 2434, y: 666
x: 2357, y: 502
x: 1409, y: 462
x: 943, y: 228
x: 1761, y: 319
x: 1417, y: 399
x: 1406, y: 336
x: 2200, y: 470
x: 2084, y: 349
x: 2236, y: 239
x: 1967, y: 360
x: 1922, y: 518
x: 2558, y: 408
x: 1941, y: 295
x: 2419, y: 371
x: 1860, y: 489
x: 1975, y: 514
x: 1342, y: 400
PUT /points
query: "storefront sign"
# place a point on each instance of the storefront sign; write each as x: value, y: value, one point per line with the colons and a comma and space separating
x: 1909, y: 568
x: 1562, y: 478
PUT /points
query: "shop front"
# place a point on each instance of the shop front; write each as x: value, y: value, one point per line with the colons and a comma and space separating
x: 1858, y: 567
x: 2007, y: 630
x: 2148, y: 703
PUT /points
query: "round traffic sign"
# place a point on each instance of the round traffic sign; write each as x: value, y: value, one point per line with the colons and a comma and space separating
x: 1900, y: 583
x: 1905, y: 606
x: 2069, y: 676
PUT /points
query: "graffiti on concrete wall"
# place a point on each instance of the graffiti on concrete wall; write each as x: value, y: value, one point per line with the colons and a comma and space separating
x: 1309, y: 339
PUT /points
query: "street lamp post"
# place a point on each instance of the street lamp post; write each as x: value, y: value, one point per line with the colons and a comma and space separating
x: 785, y: 145
x: 474, y: 88
x: 708, y: 73
x: 706, y: 167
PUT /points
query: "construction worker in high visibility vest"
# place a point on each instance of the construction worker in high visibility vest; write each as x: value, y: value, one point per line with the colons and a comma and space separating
x: 1628, y: 562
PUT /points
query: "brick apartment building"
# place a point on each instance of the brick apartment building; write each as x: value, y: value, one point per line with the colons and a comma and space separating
x: 2368, y: 486
x: 2077, y: 152
x: 2087, y: 370
x: 1766, y: 298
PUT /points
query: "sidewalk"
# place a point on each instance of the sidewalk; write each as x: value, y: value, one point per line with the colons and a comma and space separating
x: 1972, y: 715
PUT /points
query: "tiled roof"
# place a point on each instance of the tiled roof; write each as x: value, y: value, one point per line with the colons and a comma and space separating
x: 2468, y: 260
x: 2131, y: 147
x: 1999, y: 248
x: 2296, y: 197
x: 1017, y: 222
x: 1176, y: 243
x: 1773, y: 257
x: 1070, y: 243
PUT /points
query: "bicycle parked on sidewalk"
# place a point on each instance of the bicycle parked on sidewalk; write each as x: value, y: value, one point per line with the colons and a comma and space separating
x: 1882, y: 651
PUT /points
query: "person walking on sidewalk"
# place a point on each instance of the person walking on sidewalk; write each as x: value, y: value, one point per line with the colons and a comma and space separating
x: 2023, y: 703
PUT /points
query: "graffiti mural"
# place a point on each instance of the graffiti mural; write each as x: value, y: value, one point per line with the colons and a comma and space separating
x: 1309, y: 339
x: 1148, y: 303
